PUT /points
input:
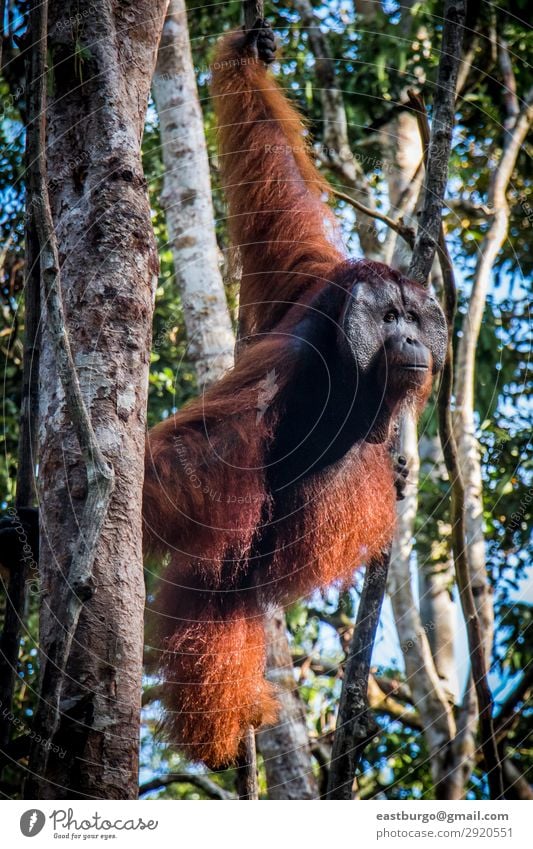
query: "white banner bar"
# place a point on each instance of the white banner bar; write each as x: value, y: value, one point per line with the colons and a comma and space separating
x: 203, y: 824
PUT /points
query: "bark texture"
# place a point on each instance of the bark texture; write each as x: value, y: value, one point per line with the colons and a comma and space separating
x: 96, y: 107
x: 186, y: 199
x: 285, y: 746
x: 427, y: 693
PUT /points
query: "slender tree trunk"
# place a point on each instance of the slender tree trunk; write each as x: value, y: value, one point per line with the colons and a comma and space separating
x: 436, y: 580
x: 186, y: 199
x: 403, y: 154
x: 428, y: 695
x: 465, y: 433
x: 285, y: 745
x: 98, y: 90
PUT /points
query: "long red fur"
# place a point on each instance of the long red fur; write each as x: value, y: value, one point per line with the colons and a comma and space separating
x: 277, y: 215
x: 205, y: 498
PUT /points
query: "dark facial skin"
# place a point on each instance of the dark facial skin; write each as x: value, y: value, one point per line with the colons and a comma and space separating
x: 362, y: 351
x: 396, y: 333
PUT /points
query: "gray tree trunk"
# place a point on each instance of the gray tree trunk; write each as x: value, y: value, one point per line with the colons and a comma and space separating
x: 427, y: 692
x: 285, y: 745
x: 465, y: 430
x: 436, y: 579
x: 186, y: 199
x: 109, y: 265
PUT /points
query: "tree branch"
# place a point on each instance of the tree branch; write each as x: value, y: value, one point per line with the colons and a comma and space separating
x: 246, y: 780
x: 202, y: 782
x: 77, y: 587
x: 518, y: 694
x: 422, y: 677
x: 381, y: 703
x: 407, y: 233
x: 449, y: 446
x: 440, y: 141
x: 510, y: 99
x: 355, y: 724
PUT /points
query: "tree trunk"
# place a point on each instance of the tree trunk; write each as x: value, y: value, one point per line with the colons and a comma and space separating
x: 465, y: 433
x: 403, y: 151
x: 285, y: 745
x: 428, y: 695
x: 98, y: 93
x: 186, y: 199
x: 436, y: 579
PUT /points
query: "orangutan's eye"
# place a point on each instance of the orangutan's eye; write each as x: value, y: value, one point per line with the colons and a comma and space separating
x: 390, y: 316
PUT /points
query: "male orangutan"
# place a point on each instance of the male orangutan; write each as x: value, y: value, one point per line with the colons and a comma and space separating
x: 278, y: 480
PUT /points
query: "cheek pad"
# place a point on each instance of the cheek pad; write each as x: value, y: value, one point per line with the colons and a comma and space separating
x: 362, y: 338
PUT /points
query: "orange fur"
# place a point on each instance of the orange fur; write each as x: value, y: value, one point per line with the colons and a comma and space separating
x: 207, y: 501
x: 277, y: 215
x: 215, y: 687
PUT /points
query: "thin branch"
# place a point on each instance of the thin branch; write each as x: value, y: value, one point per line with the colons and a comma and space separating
x: 100, y: 476
x: 507, y: 711
x: 152, y: 694
x: 475, y: 210
x: 391, y: 687
x: 406, y: 201
x: 383, y: 704
x: 246, y: 780
x: 440, y: 142
x: 356, y: 725
x: 510, y: 98
x: 516, y: 784
x: 466, y: 66
x: 407, y: 233
x: 202, y: 782
x: 322, y: 754
x: 449, y: 448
